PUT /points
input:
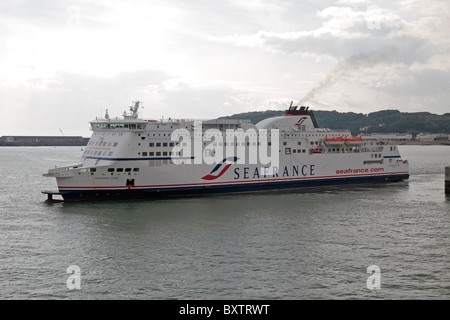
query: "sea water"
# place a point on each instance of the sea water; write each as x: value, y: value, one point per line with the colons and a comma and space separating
x: 321, y: 244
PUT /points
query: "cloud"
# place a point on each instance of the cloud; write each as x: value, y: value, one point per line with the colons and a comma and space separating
x: 70, y: 100
x: 360, y: 36
x: 73, y: 58
x: 344, y: 32
x: 198, y: 100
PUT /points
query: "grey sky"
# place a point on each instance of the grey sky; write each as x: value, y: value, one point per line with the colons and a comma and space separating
x: 62, y: 63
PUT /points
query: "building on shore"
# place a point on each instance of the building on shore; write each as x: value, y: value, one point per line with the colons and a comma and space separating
x: 428, y: 137
x: 407, y: 138
x: 394, y: 137
x: 43, y: 141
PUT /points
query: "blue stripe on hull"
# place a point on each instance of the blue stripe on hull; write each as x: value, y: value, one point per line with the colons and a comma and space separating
x: 81, y: 195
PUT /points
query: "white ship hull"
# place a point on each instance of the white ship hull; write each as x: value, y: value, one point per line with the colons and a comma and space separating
x: 125, y: 164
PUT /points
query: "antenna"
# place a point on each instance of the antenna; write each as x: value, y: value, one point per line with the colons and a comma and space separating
x: 61, y: 131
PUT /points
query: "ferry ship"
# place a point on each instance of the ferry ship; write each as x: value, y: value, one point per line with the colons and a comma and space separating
x: 132, y: 158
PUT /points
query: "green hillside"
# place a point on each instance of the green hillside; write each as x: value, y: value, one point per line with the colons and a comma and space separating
x: 385, y: 121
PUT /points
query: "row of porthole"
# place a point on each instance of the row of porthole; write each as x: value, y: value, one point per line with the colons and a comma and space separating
x: 93, y: 170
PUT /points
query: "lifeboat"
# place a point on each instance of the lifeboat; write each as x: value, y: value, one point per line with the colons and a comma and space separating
x: 354, y: 141
x: 335, y: 141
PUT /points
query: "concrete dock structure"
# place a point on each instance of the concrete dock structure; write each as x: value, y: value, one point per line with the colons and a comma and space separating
x: 447, y: 180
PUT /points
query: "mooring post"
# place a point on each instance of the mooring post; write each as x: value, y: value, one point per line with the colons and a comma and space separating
x: 447, y: 180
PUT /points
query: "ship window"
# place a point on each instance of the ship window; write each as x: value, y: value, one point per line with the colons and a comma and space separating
x: 144, y: 154
x: 142, y: 138
x: 304, y: 151
x: 151, y: 154
x: 110, y: 169
x: 288, y: 151
x: 294, y: 150
x: 136, y: 170
x: 165, y: 144
x: 119, y: 170
x: 164, y: 153
x: 151, y: 144
x: 92, y: 169
x: 158, y: 153
x: 128, y: 170
x: 115, y: 144
x: 158, y: 144
x: 172, y: 144
x: 299, y: 143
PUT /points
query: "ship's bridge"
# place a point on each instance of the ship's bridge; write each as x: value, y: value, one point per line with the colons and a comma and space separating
x: 129, y: 122
x: 100, y: 125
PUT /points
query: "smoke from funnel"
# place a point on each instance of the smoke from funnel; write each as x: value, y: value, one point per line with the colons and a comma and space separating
x: 348, y: 66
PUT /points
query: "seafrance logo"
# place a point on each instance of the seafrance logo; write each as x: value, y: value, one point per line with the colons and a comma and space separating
x: 300, y: 122
x: 210, y: 176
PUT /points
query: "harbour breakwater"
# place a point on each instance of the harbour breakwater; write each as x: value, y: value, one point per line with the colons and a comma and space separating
x: 20, y: 141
